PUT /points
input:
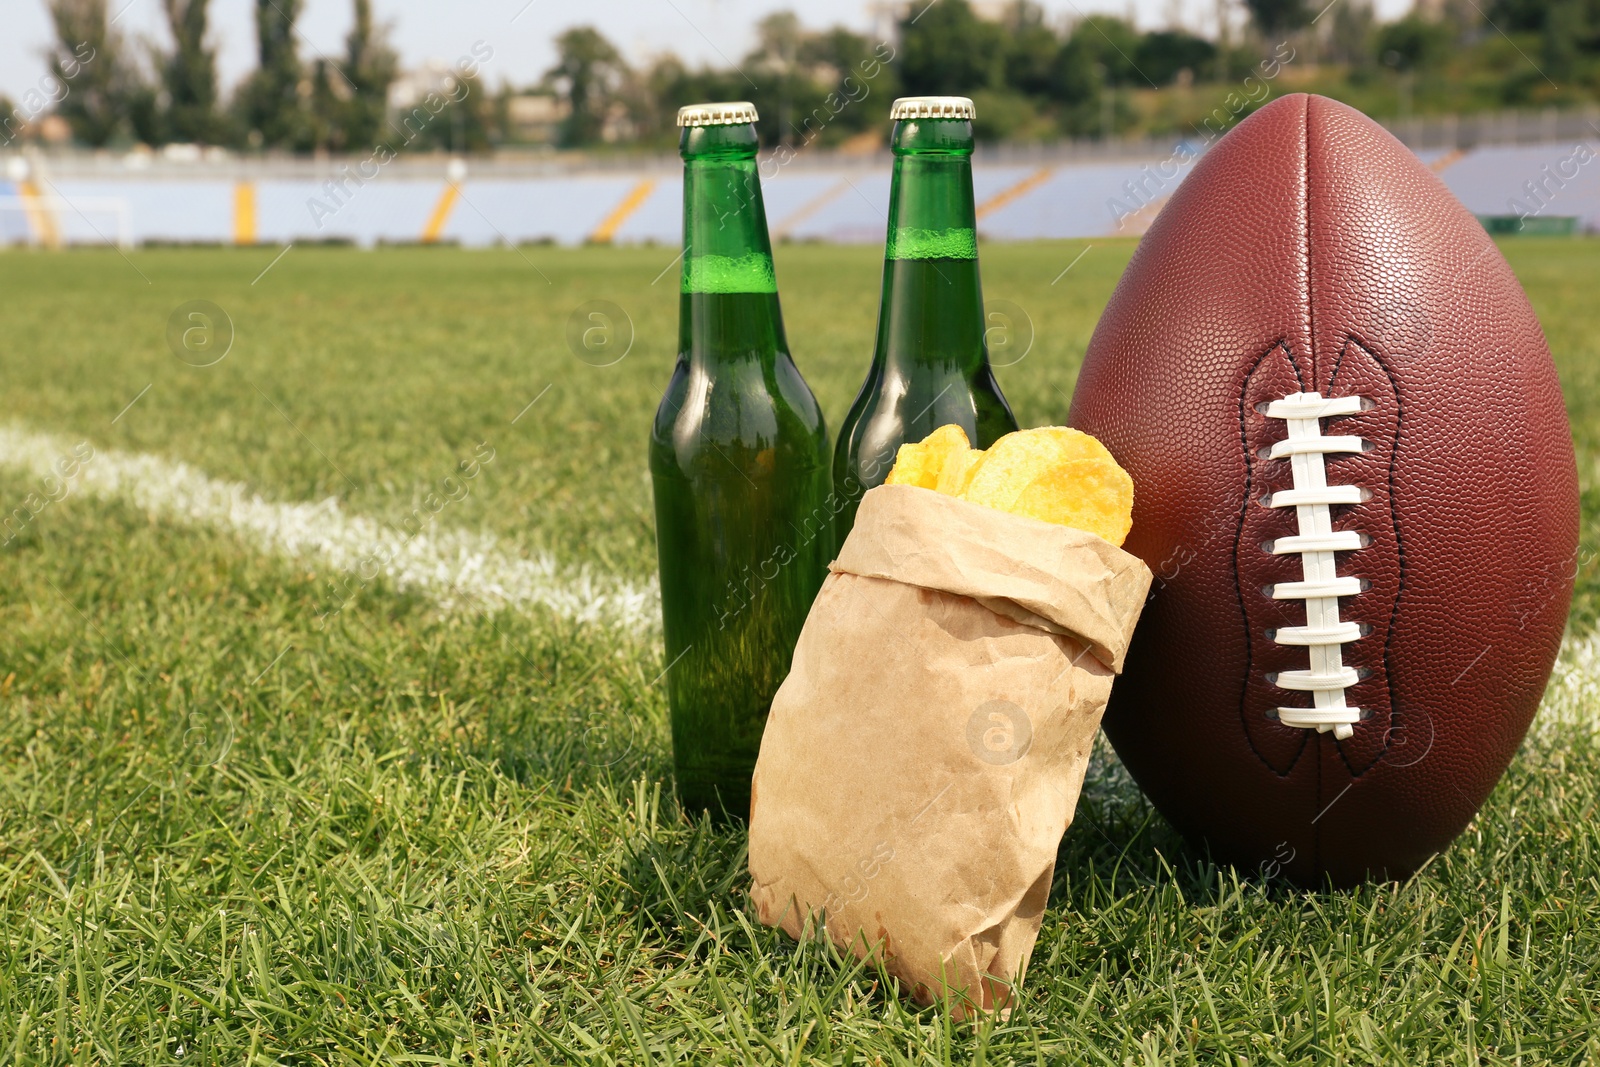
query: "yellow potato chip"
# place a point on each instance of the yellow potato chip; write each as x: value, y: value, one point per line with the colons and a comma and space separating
x: 1011, y: 463
x: 1092, y: 495
x: 919, y: 464
x: 946, y: 440
x: 953, y: 451
x: 1052, y: 473
x: 958, y: 471
x: 913, y: 466
x: 1075, y: 444
x: 945, y: 446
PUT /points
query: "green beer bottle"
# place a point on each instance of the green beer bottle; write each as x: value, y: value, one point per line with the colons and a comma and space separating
x: 931, y: 363
x: 739, y: 460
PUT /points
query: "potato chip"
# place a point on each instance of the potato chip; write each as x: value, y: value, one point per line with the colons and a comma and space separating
x: 1092, y: 495
x: 919, y: 464
x: 913, y: 465
x: 1052, y: 473
x: 1011, y: 463
x: 958, y: 471
x: 946, y: 441
x: 1075, y: 444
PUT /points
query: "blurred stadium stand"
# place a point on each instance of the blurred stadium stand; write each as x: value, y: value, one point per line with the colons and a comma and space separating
x: 1022, y: 193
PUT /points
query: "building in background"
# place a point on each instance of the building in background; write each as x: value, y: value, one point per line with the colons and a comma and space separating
x: 535, y: 118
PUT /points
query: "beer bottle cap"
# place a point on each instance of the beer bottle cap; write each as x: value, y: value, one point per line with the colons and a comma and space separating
x: 932, y: 107
x: 735, y: 113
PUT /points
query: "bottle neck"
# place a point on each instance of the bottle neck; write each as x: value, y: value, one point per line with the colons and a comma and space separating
x: 728, y: 310
x: 931, y: 315
x: 931, y: 210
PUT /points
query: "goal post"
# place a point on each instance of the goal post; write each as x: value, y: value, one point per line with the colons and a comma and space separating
x: 51, y: 221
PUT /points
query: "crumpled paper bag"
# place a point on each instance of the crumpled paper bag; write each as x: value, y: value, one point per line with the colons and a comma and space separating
x: 924, y: 756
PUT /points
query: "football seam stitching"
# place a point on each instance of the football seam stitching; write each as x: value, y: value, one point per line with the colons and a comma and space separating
x: 1400, y: 554
x: 1332, y: 380
x: 1238, y: 543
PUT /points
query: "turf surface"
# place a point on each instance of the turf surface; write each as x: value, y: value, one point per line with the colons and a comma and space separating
x: 229, y: 835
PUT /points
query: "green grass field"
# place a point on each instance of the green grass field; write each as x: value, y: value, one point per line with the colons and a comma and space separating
x: 407, y: 833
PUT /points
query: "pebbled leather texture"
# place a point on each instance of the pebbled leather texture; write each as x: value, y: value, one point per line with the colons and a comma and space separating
x: 1309, y: 250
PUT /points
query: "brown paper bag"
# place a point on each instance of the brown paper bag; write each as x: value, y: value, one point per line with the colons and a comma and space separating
x: 924, y: 756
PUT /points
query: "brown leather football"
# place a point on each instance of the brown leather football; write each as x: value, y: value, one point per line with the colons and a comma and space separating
x: 1354, y: 481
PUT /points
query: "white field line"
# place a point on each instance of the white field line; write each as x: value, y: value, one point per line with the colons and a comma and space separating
x: 1572, y: 699
x: 460, y: 571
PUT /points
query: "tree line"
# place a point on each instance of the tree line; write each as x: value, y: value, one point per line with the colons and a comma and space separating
x: 1100, y: 76
x: 1032, y: 78
x: 108, y: 89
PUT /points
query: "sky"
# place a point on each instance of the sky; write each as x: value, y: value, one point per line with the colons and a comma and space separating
x: 520, y: 32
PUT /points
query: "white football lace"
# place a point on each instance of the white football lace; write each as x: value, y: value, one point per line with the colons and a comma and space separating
x: 1324, y: 634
